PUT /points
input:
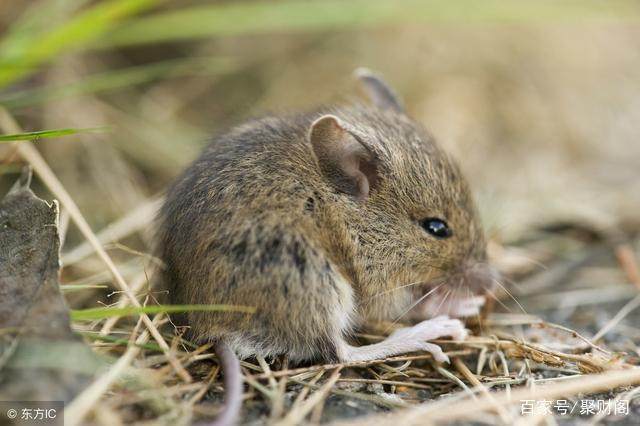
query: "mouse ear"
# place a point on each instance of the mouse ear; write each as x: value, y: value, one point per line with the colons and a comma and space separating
x: 344, y: 160
x: 380, y: 93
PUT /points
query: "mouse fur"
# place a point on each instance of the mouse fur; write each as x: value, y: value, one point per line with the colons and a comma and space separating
x: 267, y: 217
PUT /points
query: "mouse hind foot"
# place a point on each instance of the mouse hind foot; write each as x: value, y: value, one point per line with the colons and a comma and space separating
x: 409, y: 339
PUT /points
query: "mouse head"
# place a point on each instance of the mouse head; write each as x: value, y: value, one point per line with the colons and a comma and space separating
x: 408, y: 209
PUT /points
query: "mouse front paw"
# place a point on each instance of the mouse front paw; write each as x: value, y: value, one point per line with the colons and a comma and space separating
x: 419, y: 334
x: 468, y: 307
x: 455, y: 307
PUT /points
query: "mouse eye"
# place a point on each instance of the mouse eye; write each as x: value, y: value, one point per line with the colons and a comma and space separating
x: 436, y: 227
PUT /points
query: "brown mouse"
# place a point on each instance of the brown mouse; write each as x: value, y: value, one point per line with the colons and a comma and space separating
x: 321, y: 221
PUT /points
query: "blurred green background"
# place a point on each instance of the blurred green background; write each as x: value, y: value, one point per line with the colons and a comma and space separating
x: 539, y: 101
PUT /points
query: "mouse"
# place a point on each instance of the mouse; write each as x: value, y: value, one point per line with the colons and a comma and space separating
x: 322, y: 221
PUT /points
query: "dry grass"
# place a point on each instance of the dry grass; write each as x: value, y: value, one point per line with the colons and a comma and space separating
x: 583, y: 367
x: 544, y: 121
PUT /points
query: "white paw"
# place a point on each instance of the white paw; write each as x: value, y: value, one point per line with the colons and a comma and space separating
x: 416, y: 337
x: 443, y: 326
x: 455, y: 307
x: 432, y: 329
x: 434, y: 350
x: 467, y: 307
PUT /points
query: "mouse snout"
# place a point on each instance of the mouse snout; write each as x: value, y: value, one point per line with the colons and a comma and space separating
x: 462, y: 293
x: 479, y: 277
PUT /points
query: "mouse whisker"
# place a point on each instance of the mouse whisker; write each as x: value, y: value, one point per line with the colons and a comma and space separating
x: 444, y: 299
x: 510, y: 295
x: 432, y: 283
x: 478, y: 315
x: 532, y: 261
x: 494, y: 297
x: 413, y: 305
x: 396, y: 288
x: 510, y: 282
x: 415, y: 283
x: 457, y: 292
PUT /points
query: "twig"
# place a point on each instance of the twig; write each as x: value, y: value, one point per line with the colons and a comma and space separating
x: 305, y: 390
x: 575, y: 334
x: 76, y: 411
x: 278, y: 405
x: 464, y: 370
x: 446, y: 410
x: 375, y: 399
x: 326, y: 367
x: 138, y: 282
x: 627, y: 260
x: 626, y: 396
x: 390, y: 382
x: 128, y: 224
x: 42, y: 169
x: 254, y: 383
x: 275, y: 394
x: 538, y: 353
x: 449, y: 375
x: 622, y: 313
x: 198, y: 395
x: 628, y: 263
x: 298, y: 414
x: 505, y: 370
x: 267, y: 370
x: 482, y: 359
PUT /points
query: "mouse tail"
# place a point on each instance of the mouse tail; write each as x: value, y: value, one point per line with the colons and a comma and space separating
x: 230, y: 366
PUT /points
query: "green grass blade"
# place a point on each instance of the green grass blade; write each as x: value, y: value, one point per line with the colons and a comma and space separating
x: 117, y: 79
x: 42, y: 134
x: 102, y: 313
x: 120, y: 342
x: 21, y: 54
x: 71, y: 288
x: 251, y: 17
x: 35, y: 21
x: 263, y: 17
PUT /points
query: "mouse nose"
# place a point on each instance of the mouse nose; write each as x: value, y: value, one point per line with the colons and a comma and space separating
x: 479, y: 276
